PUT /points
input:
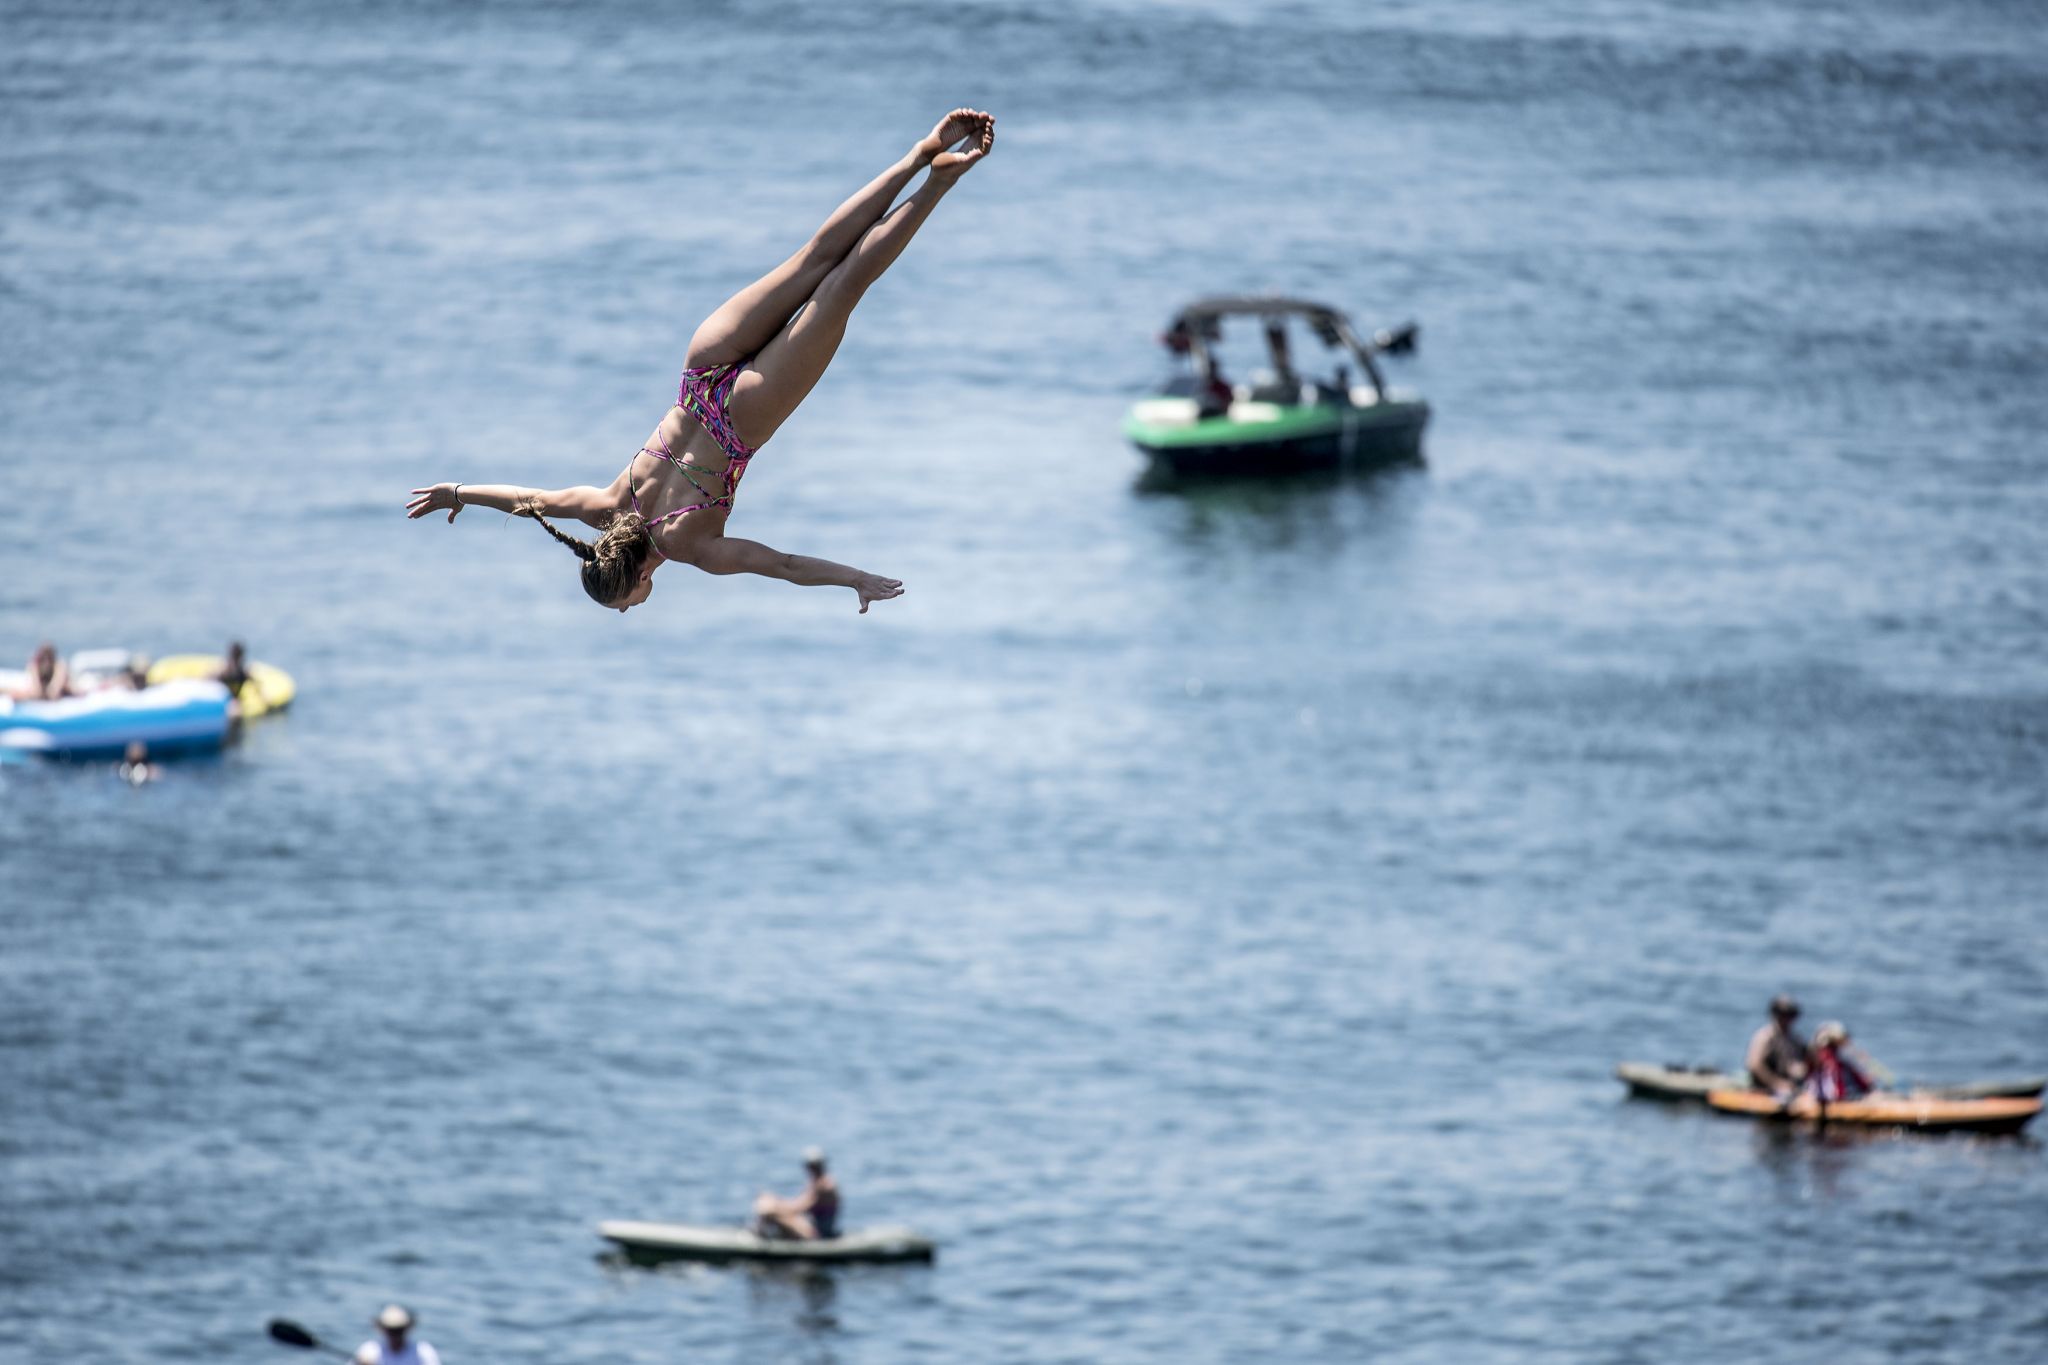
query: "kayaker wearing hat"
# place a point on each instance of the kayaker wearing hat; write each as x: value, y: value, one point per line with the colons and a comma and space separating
x: 1778, y: 1061
x: 1834, y: 1077
x: 810, y: 1216
x: 392, y: 1324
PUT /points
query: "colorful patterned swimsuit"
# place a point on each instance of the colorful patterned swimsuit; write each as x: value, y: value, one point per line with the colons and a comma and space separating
x: 706, y: 395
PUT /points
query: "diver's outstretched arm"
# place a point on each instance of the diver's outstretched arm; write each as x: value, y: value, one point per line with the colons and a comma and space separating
x: 728, y: 555
x: 591, y: 506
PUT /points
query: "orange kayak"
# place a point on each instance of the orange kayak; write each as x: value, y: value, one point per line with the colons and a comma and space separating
x: 1887, y: 1111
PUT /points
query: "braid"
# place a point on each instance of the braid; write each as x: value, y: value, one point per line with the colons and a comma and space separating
x: 613, y: 562
x: 531, y: 508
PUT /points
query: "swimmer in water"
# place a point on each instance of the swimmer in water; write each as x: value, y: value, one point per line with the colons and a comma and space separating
x: 136, y: 769
x: 747, y: 368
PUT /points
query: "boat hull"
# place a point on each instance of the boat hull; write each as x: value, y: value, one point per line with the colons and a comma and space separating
x: 1649, y: 1081
x: 1272, y: 441
x: 657, y: 1242
x: 1676, y: 1082
x: 178, y: 717
x: 1919, y: 1113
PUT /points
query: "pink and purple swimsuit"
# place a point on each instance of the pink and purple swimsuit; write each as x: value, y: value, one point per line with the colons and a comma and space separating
x: 705, y: 394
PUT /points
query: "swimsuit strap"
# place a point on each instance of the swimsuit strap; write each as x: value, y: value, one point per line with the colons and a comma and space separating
x: 689, y: 471
x: 712, y: 499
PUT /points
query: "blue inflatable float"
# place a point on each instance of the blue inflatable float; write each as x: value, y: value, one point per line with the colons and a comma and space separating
x: 171, y: 718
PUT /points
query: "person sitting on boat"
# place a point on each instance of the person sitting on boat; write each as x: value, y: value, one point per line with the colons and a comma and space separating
x: 812, y: 1215
x: 48, y: 678
x: 392, y: 1325
x: 1214, y: 394
x: 1833, y: 1076
x: 1778, y: 1061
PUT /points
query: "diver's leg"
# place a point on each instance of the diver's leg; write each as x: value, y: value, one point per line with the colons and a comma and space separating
x: 745, y: 322
x: 768, y: 390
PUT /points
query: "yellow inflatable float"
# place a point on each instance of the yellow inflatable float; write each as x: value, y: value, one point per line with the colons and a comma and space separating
x: 268, y: 690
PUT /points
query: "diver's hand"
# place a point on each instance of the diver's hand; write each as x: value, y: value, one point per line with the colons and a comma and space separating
x: 874, y: 588
x: 425, y: 500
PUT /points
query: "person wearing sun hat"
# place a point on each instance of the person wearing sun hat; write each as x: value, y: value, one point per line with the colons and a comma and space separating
x: 392, y: 1325
x: 1778, y: 1061
x: 1835, y: 1077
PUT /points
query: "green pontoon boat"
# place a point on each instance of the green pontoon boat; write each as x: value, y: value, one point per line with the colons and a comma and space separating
x: 1281, y: 422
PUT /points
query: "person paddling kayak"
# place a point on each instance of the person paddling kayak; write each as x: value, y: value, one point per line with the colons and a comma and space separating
x: 392, y: 1325
x: 1778, y: 1060
x: 810, y: 1216
x: 1833, y: 1076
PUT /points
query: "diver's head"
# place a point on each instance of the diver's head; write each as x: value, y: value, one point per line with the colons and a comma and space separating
x: 618, y: 567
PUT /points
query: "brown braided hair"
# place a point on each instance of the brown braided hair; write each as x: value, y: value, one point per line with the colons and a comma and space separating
x: 612, y: 563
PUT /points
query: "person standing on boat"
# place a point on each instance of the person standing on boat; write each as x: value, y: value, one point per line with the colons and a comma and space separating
x: 1285, y: 380
x: 747, y: 368
x: 812, y: 1215
x: 1834, y: 1077
x: 1778, y: 1061
x: 393, y: 1349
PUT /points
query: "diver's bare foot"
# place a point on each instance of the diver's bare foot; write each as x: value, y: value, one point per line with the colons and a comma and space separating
x: 960, y: 139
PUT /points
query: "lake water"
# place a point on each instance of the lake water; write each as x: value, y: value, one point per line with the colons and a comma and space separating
x: 1213, y: 914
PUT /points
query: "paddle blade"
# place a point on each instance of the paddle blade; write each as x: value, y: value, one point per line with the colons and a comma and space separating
x: 291, y: 1334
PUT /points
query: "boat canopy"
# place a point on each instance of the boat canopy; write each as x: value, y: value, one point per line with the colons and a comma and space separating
x: 1256, y: 305
x: 1199, y: 323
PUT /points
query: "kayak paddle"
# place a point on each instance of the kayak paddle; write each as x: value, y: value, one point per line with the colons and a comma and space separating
x: 1877, y: 1069
x: 288, y: 1333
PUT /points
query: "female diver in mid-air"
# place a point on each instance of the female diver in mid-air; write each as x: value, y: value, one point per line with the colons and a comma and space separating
x: 747, y: 368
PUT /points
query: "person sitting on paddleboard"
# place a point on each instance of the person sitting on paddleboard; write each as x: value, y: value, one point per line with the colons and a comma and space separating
x: 1778, y: 1061
x: 1834, y: 1077
x: 392, y: 1325
x: 810, y: 1216
x: 747, y: 368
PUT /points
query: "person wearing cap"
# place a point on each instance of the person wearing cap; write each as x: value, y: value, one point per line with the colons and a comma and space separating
x: 1778, y: 1061
x: 392, y: 1325
x: 810, y: 1216
x: 1833, y: 1076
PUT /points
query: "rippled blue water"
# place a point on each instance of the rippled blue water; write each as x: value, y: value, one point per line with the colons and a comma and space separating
x: 1213, y: 915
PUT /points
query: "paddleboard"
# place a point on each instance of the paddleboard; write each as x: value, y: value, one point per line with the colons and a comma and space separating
x: 698, y: 1242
